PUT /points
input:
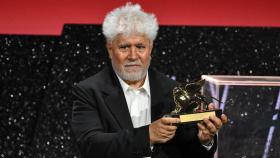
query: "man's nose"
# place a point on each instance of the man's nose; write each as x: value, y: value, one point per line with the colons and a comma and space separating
x: 132, y: 53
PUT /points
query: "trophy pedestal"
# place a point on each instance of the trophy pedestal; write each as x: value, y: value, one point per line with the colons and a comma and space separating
x: 199, y: 116
x: 195, y: 117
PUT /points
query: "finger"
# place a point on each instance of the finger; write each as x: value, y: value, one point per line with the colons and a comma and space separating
x: 224, y: 118
x: 206, y: 134
x: 169, y: 128
x: 167, y: 135
x: 210, y: 126
x: 164, y: 140
x: 169, y: 120
x: 211, y: 106
x: 201, y: 126
x: 216, y: 121
x: 164, y: 133
x: 171, y: 136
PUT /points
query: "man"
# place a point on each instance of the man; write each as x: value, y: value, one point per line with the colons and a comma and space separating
x: 119, y: 111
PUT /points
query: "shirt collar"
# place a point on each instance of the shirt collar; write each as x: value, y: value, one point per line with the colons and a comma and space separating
x: 145, y: 86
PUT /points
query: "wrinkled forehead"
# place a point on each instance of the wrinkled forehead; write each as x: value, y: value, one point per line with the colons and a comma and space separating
x: 131, y: 38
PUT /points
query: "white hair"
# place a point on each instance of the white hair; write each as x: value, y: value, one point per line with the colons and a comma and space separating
x: 130, y: 19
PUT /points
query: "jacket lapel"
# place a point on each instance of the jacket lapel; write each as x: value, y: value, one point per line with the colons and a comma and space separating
x: 158, y: 96
x: 115, y: 100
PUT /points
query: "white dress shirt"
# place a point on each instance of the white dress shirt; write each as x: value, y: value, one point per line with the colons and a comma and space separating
x: 138, y: 102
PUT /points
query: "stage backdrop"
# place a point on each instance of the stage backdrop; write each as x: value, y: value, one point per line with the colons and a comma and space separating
x: 47, y: 17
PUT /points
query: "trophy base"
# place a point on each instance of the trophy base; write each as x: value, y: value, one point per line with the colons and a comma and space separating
x: 195, y: 117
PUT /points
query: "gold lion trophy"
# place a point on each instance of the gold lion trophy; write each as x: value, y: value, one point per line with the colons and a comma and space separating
x: 190, y: 105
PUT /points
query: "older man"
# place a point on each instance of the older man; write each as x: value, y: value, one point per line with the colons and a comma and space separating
x: 118, y: 112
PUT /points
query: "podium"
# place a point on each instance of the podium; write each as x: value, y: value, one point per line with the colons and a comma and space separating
x: 252, y: 105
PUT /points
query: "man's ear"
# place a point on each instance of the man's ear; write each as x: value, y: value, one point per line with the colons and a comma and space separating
x: 109, y: 48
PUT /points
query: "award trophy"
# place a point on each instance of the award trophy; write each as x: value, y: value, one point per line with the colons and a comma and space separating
x: 190, y: 105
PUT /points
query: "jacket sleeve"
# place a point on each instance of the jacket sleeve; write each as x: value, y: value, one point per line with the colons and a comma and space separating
x: 190, y: 144
x: 96, y: 141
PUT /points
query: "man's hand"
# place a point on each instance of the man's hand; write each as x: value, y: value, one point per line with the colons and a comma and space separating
x: 162, y: 130
x: 210, y: 126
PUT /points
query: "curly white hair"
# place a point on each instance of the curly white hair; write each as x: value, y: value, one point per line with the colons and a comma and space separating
x: 130, y: 19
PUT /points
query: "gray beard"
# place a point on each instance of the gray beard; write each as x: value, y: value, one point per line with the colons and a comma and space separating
x: 131, y: 76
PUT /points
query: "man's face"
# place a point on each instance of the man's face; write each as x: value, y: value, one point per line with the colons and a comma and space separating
x: 130, y: 56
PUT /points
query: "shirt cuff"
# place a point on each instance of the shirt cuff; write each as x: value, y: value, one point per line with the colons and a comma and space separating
x: 209, y: 145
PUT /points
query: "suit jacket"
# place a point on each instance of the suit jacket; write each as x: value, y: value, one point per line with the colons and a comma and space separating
x: 103, y: 128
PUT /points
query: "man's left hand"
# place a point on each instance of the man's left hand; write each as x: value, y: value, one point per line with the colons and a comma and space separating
x: 210, y: 126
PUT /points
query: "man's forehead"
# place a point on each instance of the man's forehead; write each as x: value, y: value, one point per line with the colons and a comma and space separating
x: 133, y: 38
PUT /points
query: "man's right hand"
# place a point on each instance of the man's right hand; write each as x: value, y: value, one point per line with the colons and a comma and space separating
x: 163, y: 129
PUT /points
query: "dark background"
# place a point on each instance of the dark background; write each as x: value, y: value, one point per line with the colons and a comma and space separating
x: 37, y: 74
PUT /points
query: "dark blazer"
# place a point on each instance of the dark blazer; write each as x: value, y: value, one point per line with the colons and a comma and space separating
x: 103, y: 128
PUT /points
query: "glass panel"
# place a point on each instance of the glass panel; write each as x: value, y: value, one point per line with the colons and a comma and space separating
x: 252, y: 105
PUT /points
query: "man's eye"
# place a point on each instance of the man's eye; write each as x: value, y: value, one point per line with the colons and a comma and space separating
x: 140, y: 46
x: 124, y: 47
